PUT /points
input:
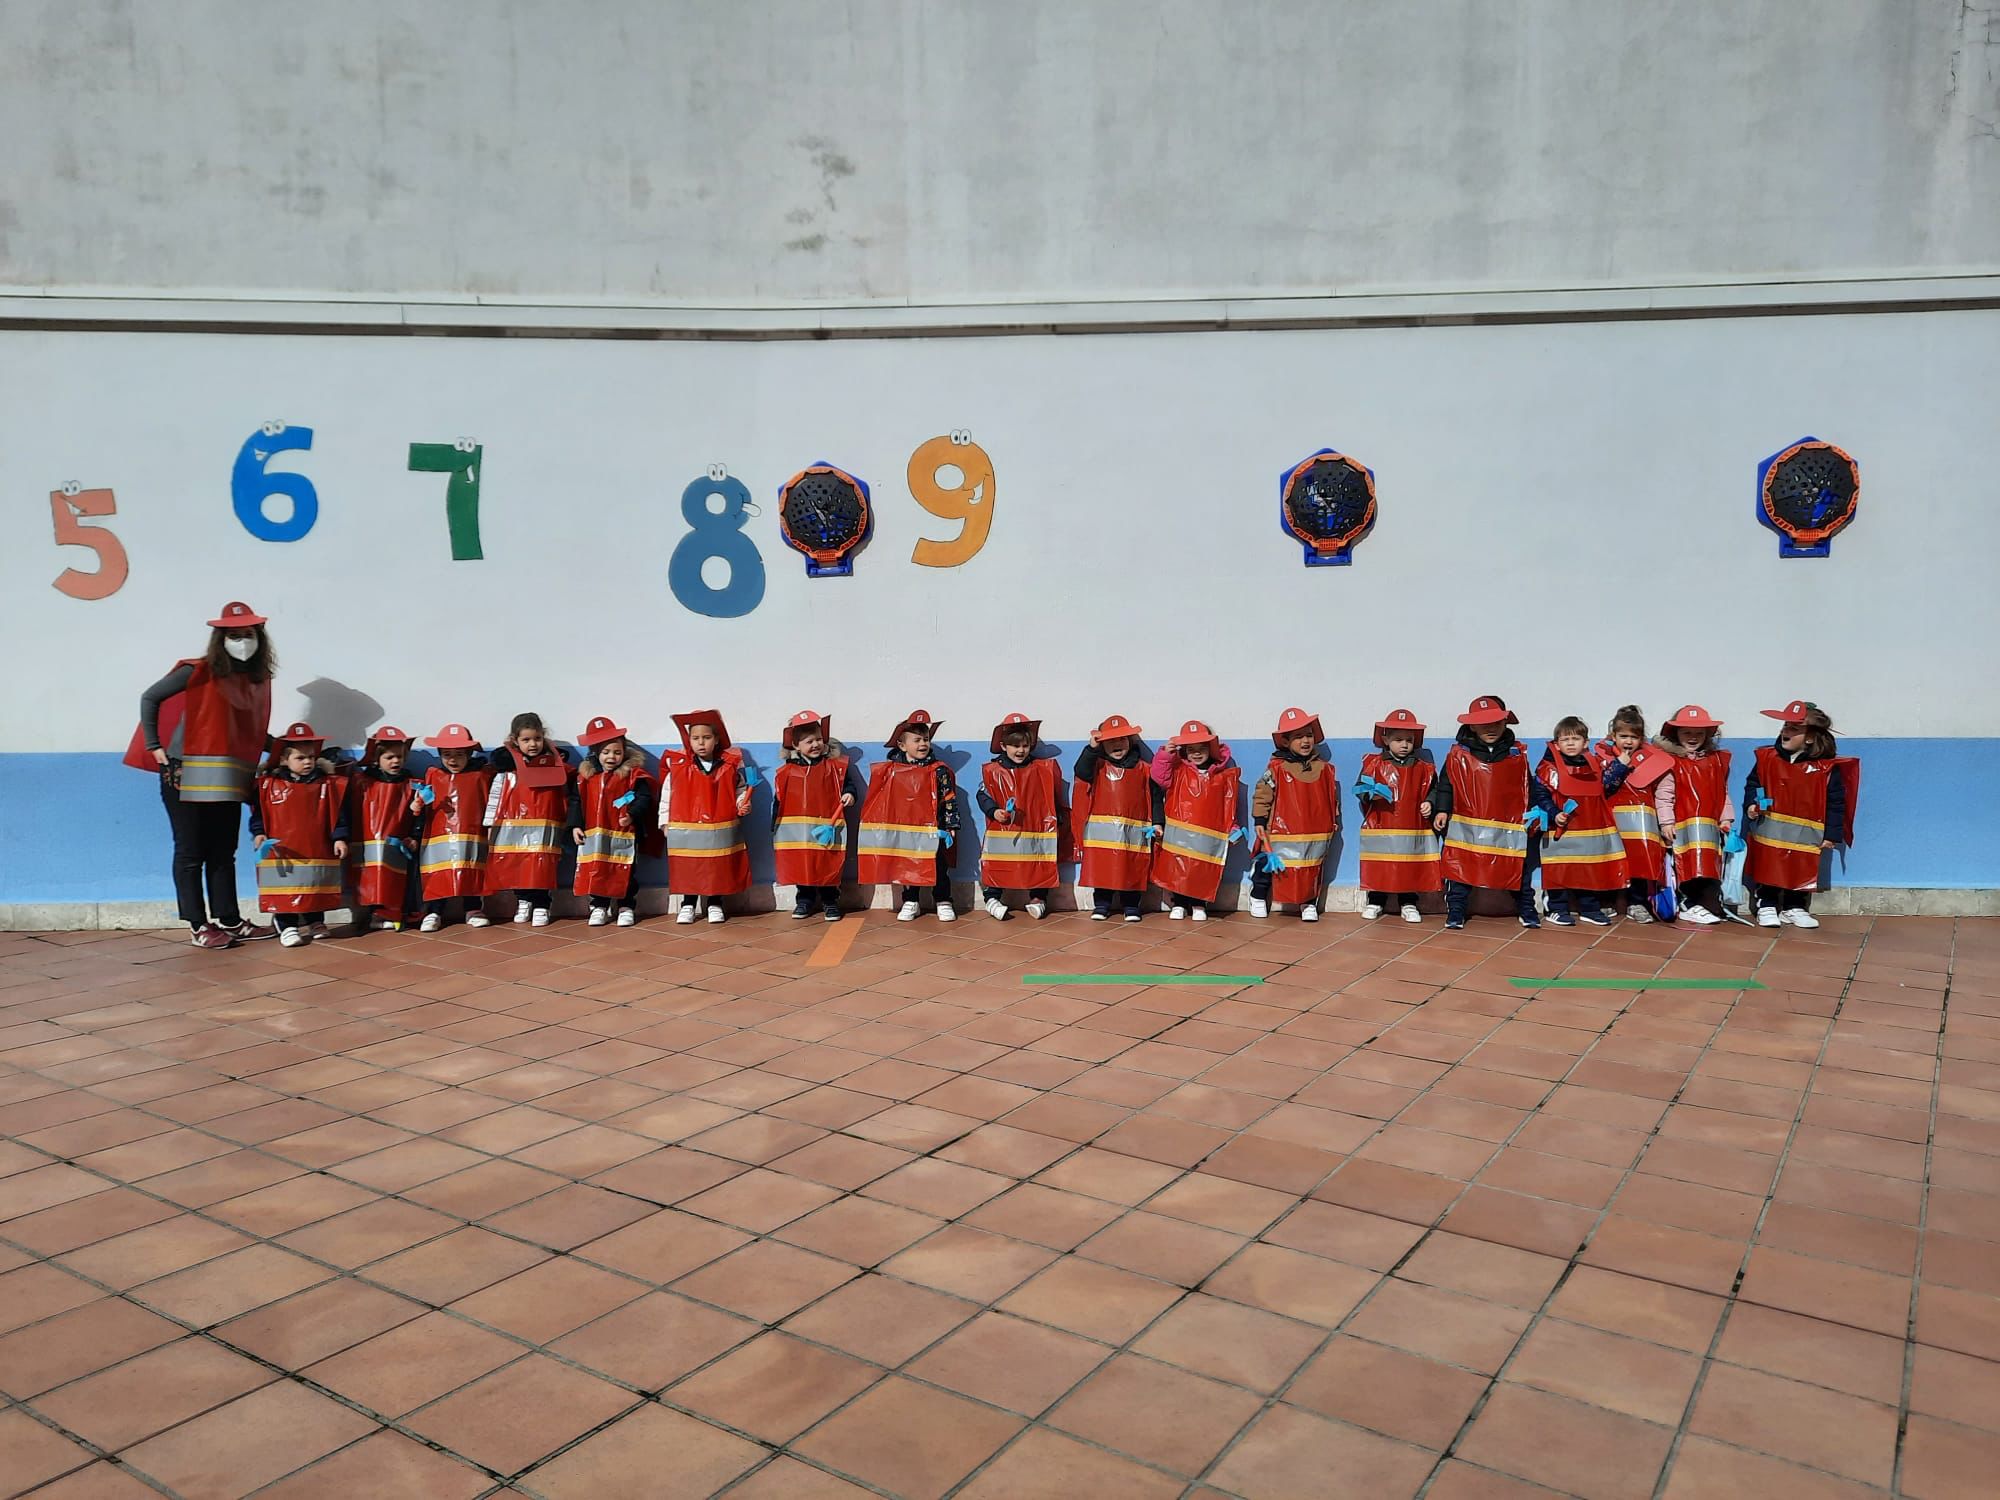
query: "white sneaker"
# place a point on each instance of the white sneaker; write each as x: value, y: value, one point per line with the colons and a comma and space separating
x: 1701, y: 916
x: 1100, y: 916
x: 1038, y: 909
x: 1411, y: 914
x: 716, y: 915
x: 1309, y: 912
x: 540, y: 918
x: 1767, y: 916
x: 1166, y: 905
x: 1798, y: 916
x: 291, y: 937
x: 1178, y: 913
x: 946, y: 912
x: 1640, y: 912
x: 477, y: 918
x: 1259, y: 907
x: 997, y: 909
x: 627, y: 916
x: 1131, y: 916
x: 379, y: 923
x: 522, y: 911
x: 907, y: 912
x: 598, y: 916
x: 432, y: 922
x: 1199, y: 914
x: 314, y: 931
x: 687, y: 912
x: 1370, y: 912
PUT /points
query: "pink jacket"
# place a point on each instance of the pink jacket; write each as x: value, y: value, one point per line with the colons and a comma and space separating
x: 1165, y: 757
x: 1663, y: 803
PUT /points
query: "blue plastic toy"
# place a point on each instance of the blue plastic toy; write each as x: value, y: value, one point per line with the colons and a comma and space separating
x: 1537, y: 821
x: 1010, y: 807
x: 626, y: 800
x: 1266, y: 860
x: 751, y: 775
x: 824, y: 834
x: 944, y: 837
x: 271, y: 850
x: 1236, y: 835
x: 426, y: 793
x: 1368, y: 786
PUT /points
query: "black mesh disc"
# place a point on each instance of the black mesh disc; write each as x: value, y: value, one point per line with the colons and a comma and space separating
x: 1812, y: 489
x: 1329, y: 499
x: 823, y: 512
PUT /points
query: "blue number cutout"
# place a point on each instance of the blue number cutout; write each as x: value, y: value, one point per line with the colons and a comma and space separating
x: 250, y: 486
x: 717, y: 534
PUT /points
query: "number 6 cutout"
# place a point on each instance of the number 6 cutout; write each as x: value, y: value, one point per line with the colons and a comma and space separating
x: 970, y: 501
x: 69, y: 505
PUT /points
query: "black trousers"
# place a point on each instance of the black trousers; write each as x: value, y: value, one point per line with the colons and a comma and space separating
x: 940, y: 887
x: 1386, y: 899
x: 205, y: 835
x: 1458, y: 899
x: 1103, y: 899
x: 821, y: 897
x: 1782, y: 899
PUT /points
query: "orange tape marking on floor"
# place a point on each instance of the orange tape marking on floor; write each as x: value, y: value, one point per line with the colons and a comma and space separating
x: 832, y: 948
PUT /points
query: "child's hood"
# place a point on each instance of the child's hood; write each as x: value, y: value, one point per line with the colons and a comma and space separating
x: 1666, y: 740
x: 1499, y: 750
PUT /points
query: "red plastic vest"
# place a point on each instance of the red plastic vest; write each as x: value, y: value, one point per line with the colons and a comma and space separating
x: 605, y: 859
x: 453, y: 858
x: 1638, y: 825
x: 1784, y: 844
x: 379, y: 819
x: 1701, y: 791
x: 1021, y: 854
x: 1108, y: 819
x: 1589, y: 854
x: 1304, y: 817
x: 526, y: 847
x: 1201, y: 812
x: 706, y: 855
x: 299, y: 817
x: 1399, y: 852
x: 808, y: 797
x: 899, y: 832
x: 1485, y: 843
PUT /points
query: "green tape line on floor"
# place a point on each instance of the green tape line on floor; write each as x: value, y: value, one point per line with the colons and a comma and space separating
x: 1636, y: 984
x: 1142, y: 979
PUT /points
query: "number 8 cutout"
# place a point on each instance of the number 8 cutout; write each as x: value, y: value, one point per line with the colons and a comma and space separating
x: 969, y: 501
x: 714, y: 533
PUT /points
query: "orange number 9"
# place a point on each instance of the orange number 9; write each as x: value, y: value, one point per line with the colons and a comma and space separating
x: 69, y: 505
x: 970, y: 500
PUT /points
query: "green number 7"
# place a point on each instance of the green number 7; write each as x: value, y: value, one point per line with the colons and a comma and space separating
x: 462, y: 460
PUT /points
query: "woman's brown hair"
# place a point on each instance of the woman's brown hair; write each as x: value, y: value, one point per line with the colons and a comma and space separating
x: 260, y: 668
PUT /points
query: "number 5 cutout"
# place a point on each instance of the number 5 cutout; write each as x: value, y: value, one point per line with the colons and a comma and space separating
x: 70, y: 505
x: 970, y: 501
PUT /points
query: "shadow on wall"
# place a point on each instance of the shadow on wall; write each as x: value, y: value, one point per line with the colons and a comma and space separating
x: 343, y: 715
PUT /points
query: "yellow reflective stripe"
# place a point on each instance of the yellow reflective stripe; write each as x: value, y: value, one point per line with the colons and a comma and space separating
x: 1485, y: 823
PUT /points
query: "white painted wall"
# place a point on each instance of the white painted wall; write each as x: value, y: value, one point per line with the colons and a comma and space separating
x: 1566, y: 518
x: 964, y: 150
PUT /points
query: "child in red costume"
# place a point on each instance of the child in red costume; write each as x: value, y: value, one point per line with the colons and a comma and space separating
x: 1695, y: 813
x: 451, y: 861
x: 1399, y: 851
x: 382, y: 813
x: 1296, y: 807
x: 298, y: 825
x: 1481, y: 801
x: 1200, y: 781
x: 1018, y: 794
x: 1115, y: 812
x: 1585, y: 856
x: 909, y: 819
x: 1812, y: 793
x: 526, y: 812
x: 614, y: 800
x: 1622, y: 752
x: 810, y: 796
x: 702, y: 803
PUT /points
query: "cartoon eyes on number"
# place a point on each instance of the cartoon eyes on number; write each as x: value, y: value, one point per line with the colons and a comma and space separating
x: 961, y: 436
x: 71, y: 487
x: 718, y: 472
x: 272, y: 429
x: 466, y: 445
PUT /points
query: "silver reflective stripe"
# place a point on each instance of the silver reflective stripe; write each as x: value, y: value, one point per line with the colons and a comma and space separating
x: 700, y: 838
x: 604, y: 844
x: 214, y: 778
x: 453, y: 852
x: 1782, y: 831
x: 299, y: 877
x: 1196, y: 843
x: 1397, y: 843
x: 1005, y: 843
x: 796, y: 833
x: 1584, y: 846
x: 384, y: 852
x: 1697, y: 833
x: 1486, y: 835
x: 897, y: 838
x: 1636, y: 821
x: 1115, y: 833
x: 528, y: 837
x: 1302, y: 851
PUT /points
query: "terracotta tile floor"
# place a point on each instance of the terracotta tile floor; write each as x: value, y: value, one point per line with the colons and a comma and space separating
x: 671, y: 1211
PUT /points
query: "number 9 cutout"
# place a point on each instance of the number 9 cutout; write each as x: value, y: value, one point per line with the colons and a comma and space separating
x: 970, y: 501
x: 717, y: 534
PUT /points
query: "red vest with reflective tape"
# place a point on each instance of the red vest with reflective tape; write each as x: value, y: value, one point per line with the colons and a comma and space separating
x: 1784, y: 844
x: 1201, y: 811
x: 808, y: 797
x: 605, y: 858
x: 899, y: 832
x: 1021, y: 854
x: 706, y: 855
x: 299, y: 818
x: 452, y: 859
x: 1589, y: 854
x: 379, y: 820
x: 1701, y: 791
x: 526, y: 846
x: 1304, y: 817
x: 1399, y: 852
x: 224, y: 724
x: 1638, y: 825
x: 1109, y: 818
x: 1484, y: 842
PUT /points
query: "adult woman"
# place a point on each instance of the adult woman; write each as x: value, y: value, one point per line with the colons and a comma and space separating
x: 203, y: 727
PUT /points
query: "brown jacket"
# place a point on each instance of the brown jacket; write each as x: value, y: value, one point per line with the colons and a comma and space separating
x: 1265, y: 792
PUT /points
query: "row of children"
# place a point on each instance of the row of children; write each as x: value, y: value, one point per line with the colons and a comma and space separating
x: 1633, y: 817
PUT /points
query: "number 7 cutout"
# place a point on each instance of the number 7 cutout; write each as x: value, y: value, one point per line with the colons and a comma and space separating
x: 69, y: 505
x: 462, y: 460
x: 970, y: 501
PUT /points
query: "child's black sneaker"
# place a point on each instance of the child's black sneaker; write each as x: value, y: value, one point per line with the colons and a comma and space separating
x: 1595, y: 918
x: 1556, y: 919
x: 1533, y: 923
x: 1454, y: 924
x: 801, y: 910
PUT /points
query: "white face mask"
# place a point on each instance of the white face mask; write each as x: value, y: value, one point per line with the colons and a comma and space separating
x: 241, y: 647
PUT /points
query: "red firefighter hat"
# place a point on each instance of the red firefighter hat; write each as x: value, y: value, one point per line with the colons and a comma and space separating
x: 452, y: 737
x: 236, y: 615
x: 1792, y: 713
x: 603, y: 728
x: 1398, y: 718
x: 1649, y: 764
x: 300, y: 733
x: 1194, y: 732
x: 709, y: 716
x: 1296, y: 721
x: 803, y: 720
x: 1118, y: 727
x: 1692, y: 716
x: 1014, y: 721
x: 1488, y: 710
x: 388, y: 734
x: 918, y: 719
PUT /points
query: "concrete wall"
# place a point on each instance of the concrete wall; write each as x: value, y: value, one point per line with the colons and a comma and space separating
x: 970, y: 150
